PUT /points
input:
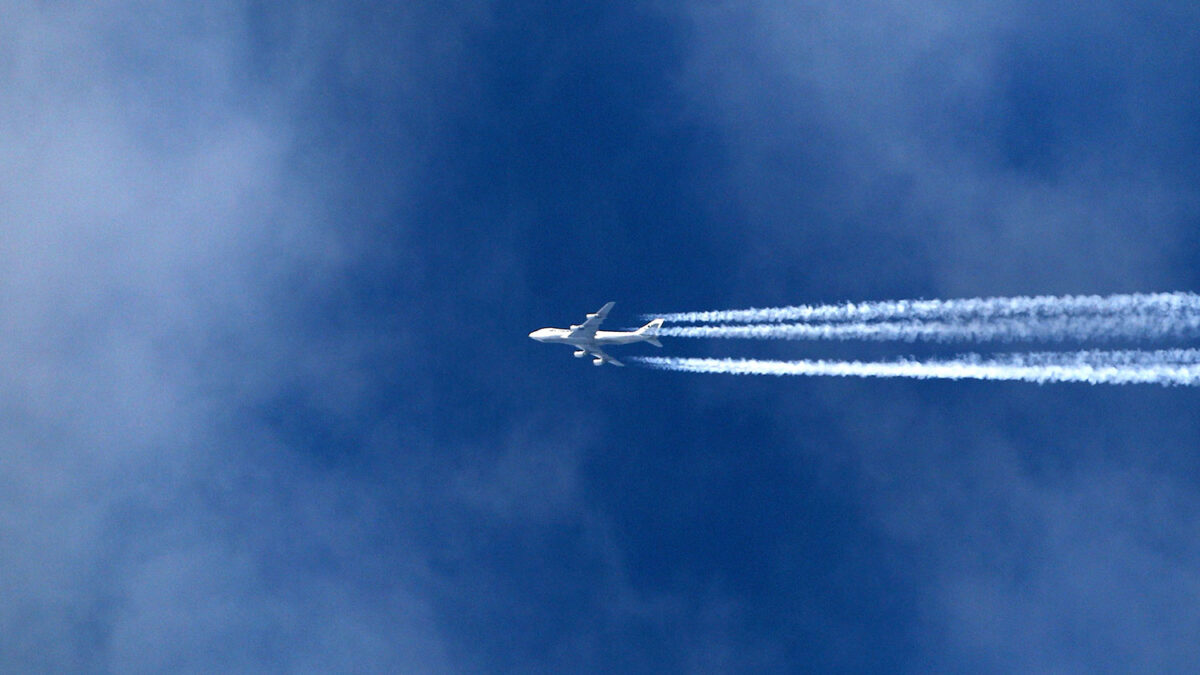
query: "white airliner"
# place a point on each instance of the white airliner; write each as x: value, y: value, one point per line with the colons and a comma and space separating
x: 586, y: 339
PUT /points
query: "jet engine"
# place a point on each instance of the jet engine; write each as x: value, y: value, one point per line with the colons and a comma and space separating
x: 580, y: 354
x: 598, y: 362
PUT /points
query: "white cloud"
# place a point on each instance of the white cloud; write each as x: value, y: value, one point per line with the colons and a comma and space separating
x: 908, y: 135
x: 159, y: 243
x: 867, y: 144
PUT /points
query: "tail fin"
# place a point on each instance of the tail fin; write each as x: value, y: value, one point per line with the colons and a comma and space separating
x: 650, y: 330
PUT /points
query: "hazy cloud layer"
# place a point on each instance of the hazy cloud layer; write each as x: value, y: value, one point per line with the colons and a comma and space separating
x: 957, y: 149
x: 165, y: 245
x: 991, y: 147
x: 257, y: 411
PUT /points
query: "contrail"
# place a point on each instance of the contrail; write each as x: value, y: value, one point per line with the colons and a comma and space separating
x: 1138, y: 316
x: 958, y: 309
x: 958, y: 329
x: 1165, y: 367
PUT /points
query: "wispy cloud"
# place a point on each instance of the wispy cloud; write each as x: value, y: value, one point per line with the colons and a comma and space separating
x: 166, y: 241
x: 985, y: 147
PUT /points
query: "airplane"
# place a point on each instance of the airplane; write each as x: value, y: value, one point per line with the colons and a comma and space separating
x: 586, y: 339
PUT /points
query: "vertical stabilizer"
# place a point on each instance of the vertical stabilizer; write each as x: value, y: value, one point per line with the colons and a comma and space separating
x: 650, y: 332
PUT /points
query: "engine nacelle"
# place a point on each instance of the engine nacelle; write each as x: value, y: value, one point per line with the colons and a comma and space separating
x: 580, y: 354
x: 598, y: 362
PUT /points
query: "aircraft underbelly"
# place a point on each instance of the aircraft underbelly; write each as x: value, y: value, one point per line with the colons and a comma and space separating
x: 617, y: 339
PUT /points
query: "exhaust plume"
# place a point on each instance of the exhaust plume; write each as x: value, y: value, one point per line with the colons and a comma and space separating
x: 955, y: 329
x: 958, y: 309
x: 1165, y: 367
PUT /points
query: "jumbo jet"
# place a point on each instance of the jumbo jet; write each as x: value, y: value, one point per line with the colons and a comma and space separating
x: 586, y: 339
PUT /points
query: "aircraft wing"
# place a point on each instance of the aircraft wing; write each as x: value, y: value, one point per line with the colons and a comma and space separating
x: 603, y: 355
x: 588, y: 328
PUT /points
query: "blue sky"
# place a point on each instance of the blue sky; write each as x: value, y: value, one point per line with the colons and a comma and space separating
x: 268, y: 402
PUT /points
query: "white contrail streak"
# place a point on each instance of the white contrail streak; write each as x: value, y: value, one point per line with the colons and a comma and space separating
x: 958, y: 309
x: 1095, y: 357
x: 1006, y: 329
x: 1165, y: 367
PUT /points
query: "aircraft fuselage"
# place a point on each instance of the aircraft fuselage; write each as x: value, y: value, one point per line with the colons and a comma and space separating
x: 586, y: 339
x: 603, y: 337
